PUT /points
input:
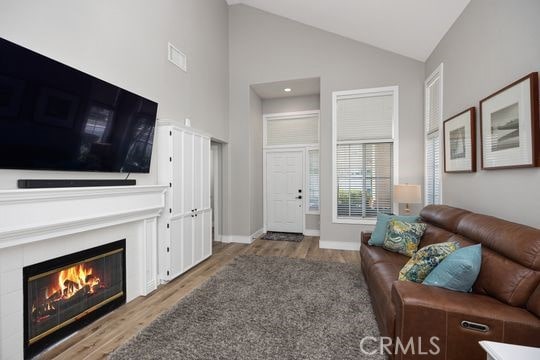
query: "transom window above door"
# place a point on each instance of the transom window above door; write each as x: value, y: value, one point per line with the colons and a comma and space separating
x: 364, y: 149
x: 291, y: 129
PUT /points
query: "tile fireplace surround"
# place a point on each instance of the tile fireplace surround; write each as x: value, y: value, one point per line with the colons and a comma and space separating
x: 41, y: 224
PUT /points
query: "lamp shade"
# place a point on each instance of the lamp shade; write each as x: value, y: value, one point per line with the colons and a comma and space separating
x: 409, y: 194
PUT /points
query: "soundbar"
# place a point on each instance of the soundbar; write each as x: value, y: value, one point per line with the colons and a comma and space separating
x: 61, y: 183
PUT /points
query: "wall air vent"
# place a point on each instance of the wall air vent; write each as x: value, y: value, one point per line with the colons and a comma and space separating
x: 177, y: 57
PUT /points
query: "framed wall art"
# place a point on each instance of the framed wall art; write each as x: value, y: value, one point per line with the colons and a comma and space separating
x: 509, y: 126
x: 460, y: 142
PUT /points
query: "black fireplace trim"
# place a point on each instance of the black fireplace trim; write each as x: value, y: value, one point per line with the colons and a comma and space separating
x: 29, y: 271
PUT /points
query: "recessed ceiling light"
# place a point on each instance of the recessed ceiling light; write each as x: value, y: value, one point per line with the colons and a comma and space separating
x: 287, y: 89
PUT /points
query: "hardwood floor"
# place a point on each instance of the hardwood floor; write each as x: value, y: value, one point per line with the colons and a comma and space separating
x: 100, y: 338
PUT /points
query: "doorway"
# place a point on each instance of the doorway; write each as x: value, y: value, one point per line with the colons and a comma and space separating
x: 216, y: 189
x: 284, y: 191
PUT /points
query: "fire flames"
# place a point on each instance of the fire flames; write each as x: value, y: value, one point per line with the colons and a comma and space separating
x: 74, y: 281
x: 76, y: 278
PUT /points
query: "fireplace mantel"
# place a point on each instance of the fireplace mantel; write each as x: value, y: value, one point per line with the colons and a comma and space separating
x: 41, y: 224
x: 29, y: 215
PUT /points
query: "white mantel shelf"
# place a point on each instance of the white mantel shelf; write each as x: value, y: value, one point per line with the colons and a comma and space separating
x: 29, y: 215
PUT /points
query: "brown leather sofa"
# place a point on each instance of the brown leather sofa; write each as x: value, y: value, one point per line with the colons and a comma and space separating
x: 505, y: 297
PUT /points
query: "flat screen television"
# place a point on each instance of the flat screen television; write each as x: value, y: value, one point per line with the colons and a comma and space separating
x: 54, y: 117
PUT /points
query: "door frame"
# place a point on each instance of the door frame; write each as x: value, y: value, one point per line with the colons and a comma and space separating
x: 217, y: 172
x: 301, y: 149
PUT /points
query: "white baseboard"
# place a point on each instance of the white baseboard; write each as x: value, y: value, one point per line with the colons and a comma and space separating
x: 242, y: 239
x: 257, y: 234
x: 339, y: 245
x: 312, y: 232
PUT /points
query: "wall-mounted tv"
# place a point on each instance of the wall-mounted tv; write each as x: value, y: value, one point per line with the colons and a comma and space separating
x: 54, y: 117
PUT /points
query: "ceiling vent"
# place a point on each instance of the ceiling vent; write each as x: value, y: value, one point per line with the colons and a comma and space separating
x: 177, y: 57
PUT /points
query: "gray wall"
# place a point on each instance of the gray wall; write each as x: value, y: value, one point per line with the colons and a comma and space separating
x: 292, y: 103
x: 493, y: 43
x: 267, y: 48
x: 256, y: 161
x: 125, y: 42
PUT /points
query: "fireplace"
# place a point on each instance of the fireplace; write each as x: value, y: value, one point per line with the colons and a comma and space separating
x: 64, y: 294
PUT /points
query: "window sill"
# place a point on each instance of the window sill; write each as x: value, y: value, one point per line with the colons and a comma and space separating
x: 355, y: 221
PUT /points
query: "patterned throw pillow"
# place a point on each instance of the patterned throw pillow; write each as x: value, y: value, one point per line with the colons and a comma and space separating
x: 403, y: 237
x: 425, y: 260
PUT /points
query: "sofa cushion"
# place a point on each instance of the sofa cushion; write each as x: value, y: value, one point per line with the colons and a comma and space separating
x: 458, y: 271
x: 373, y: 254
x: 425, y: 260
x: 505, y: 279
x: 402, y: 237
x: 379, y: 233
x: 533, y: 305
x: 445, y: 217
x: 514, y: 241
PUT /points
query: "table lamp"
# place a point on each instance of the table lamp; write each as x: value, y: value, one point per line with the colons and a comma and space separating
x: 407, y: 194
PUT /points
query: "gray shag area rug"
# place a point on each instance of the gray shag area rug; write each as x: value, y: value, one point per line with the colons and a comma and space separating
x: 282, y: 236
x: 265, y: 308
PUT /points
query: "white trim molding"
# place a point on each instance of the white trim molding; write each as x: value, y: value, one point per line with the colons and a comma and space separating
x: 312, y: 232
x: 242, y: 239
x: 339, y: 245
x: 29, y: 215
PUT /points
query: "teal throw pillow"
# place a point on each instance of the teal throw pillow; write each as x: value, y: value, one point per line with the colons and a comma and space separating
x: 403, y: 237
x: 425, y: 260
x: 458, y: 271
x: 377, y: 237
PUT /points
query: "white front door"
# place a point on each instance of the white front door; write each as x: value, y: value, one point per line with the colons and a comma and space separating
x: 284, y: 191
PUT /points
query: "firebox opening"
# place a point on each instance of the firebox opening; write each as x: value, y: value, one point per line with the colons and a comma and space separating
x: 64, y: 294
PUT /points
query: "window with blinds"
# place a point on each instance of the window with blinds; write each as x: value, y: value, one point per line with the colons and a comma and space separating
x: 313, y: 181
x: 433, y: 120
x: 293, y: 130
x: 364, y: 153
x: 433, y: 169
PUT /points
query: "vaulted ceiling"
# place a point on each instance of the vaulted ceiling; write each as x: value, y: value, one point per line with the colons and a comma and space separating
x: 408, y: 27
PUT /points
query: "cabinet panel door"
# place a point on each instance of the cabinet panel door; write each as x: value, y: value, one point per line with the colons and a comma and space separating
x: 177, y: 172
x: 187, y: 158
x: 197, y: 172
x: 207, y: 233
x: 197, y: 238
x: 175, y: 248
x: 206, y: 174
x: 187, y: 242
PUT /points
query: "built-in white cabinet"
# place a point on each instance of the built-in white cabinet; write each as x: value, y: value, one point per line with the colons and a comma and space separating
x: 185, y: 228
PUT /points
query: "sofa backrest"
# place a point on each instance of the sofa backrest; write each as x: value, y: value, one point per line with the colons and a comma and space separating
x: 510, y: 269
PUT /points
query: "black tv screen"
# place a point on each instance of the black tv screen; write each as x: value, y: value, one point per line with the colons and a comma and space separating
x: 54, y: 117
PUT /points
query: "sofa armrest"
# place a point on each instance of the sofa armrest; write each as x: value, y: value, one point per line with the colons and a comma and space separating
x: 426, y: 312
x: 365, y: 236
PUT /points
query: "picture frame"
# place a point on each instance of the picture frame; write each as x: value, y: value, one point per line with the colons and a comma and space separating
x: 509, y: 126
x: 459, y: 140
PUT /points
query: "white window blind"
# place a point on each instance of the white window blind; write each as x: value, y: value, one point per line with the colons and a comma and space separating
x: 364, y: 152
x: 433, y: 121
x: 365, y: 117
x: 364, y: 179
x: 433, y: 104
x: 292, y: 131
x: 433, y: 169
x: 313, y: 180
